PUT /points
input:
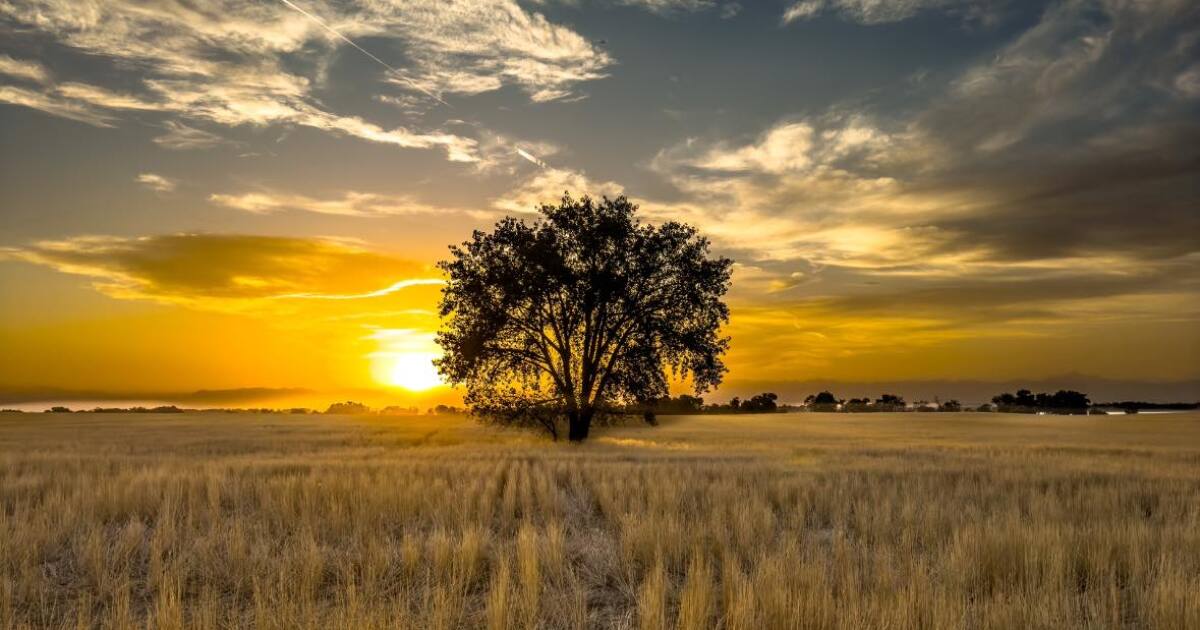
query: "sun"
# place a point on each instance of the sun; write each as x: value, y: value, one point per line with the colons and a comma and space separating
x: 413, y: 371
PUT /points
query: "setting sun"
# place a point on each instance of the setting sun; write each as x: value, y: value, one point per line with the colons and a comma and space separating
x: 404, y: 359
x: 413, y: 371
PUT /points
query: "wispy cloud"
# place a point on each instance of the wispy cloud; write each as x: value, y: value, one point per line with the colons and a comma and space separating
x: 336, y: 33
x: 883, y: 11
x: 388, y: 290
x: 156, y: 182
x: 55, y: 105
x: 181, y: 137
x: 350, y: 204
x: 235, y: 64
x: 101, y: 97
x: 470, y: 48
x: 23, y: 69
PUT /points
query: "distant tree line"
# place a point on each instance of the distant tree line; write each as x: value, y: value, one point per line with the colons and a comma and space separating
x: 159, y: 409
x: 766, y: 402
x: 827, y: 402
x: 348, y: 407
x: 1023, y: 401
x: 1135, y: 405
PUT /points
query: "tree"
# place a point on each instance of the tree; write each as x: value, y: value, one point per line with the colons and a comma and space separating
x: 579, y: 311
x: 890, y: 402
x: 348, y: 408
x: 762, y: 403
x: 824, y: 401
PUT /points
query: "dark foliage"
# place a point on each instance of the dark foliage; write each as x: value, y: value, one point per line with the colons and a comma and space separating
x: 950, y: 406
x: 579, y: 313
x: 348, y: 408
x: 823, y: 401
x: 762, y: 403
x: 1025, y: 401
x: 1141, y: 404
x: 766, y: 402
x: 890, y: 402
x: 683, y: 405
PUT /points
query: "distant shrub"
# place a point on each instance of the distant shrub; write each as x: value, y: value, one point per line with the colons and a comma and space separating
x: 348, y: 408
x: 396, y: 410
x: 950, y: 406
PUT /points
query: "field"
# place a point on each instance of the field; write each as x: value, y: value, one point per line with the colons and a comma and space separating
x: 744, y: 522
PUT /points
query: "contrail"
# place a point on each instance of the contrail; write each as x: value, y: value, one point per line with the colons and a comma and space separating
x: 364, y: 51
x: 531, y: 157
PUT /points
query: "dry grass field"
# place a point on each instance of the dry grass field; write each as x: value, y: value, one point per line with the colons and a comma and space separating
x: 745, y: 522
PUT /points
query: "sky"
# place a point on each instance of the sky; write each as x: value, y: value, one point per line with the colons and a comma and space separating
x: 219, y: 201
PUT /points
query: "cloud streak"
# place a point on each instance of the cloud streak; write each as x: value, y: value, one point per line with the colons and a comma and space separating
x: 157, y: 183
x: 224, y: 272
x: 388, y: 290
x: 350, y: 204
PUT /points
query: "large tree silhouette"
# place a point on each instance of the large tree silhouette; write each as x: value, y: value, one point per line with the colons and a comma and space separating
x: 579, y: 311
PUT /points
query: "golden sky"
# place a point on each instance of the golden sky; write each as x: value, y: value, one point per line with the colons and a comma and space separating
x: 231, y: 195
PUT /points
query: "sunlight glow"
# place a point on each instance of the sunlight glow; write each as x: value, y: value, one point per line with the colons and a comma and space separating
x: 413, y: 371
x: 405, y: 359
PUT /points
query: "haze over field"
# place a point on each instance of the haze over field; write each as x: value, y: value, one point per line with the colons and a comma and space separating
x: 240, y: 203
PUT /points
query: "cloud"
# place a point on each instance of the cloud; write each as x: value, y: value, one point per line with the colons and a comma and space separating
x: 157, y: 183
x: 471, y: 48
x: 23, y: 69
x: 548, y: 186
x: 224, y: 272
x: 55, y: 105
x: 255, y: 64
x: 802, y: 10
x: 1045, y: 191
x: 75, y: 101
x: 879, y: 11
x: 1033, y: 156
x: 824, y: 190
x: 667, y: 7
x: 388, y: 290
x: 101, y: 97
x: 181, y: 137
x: 350, y: 204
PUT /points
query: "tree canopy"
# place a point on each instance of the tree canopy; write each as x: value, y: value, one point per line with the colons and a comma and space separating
x: 580, y: 310
x: 1025, y: 400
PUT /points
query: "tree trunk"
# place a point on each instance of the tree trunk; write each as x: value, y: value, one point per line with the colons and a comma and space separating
x: 579, y: 423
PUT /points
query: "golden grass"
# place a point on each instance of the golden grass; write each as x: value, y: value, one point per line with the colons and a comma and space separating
x: 783, y: 521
